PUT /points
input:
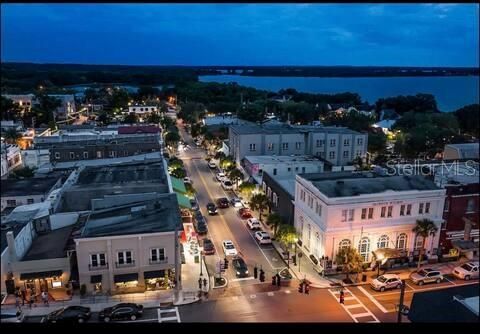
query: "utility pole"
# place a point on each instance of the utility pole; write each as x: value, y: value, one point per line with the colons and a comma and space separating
x: 400, y: 305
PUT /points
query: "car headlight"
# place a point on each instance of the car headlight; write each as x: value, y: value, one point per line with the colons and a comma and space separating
x: 238, y: 273
x: 246, y: 272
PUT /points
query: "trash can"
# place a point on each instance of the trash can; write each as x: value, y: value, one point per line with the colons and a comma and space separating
x: 364, y: 278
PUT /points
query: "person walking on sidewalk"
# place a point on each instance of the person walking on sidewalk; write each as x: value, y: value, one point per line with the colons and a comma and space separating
x: 24, y: 296
x: 342, y: 297
x: 45, y: 298
x: 17, y: 303
x: 32, y: 299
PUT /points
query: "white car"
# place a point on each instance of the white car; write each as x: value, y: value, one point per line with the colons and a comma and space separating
x: 263, y: 237
x: 253, y: 224
x: 229, y: 248
x: 387, y: 281
x: 236, y: 202
x: 227, y: 184
x: 212, y: 165
x: 220, y: 176
x: 466, y: 271
x: 187, y: 180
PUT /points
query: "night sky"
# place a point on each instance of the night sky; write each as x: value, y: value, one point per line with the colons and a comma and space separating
x: 247, y: 34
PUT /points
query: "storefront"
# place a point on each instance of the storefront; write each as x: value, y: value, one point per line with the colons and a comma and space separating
x: 96, y: 281
x: 126, y: 281
x: 42, y: 281
x: 159, y: 279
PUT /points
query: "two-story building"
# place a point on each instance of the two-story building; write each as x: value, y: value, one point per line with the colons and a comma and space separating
x: 365, y: 211
x: 10, y: 158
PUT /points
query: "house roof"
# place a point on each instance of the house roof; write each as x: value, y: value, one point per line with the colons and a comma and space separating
x: 51, y: 245
x: 30, y: 186
x: 466, y: 150
x: 126, y: 130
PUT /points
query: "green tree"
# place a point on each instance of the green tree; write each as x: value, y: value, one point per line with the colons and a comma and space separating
x: 274, y: 220
x: 246, y: 189
x: 154, y: 118
x: 131, y: 118
x: 9, y: 109
x: 119, y: 99
x: 190, y: 190
x: 227, y: 163
x: 219, y: 155
x: 147, y: 92
x: 166, y: 123
x: 350, y: 261
x: 377, y: 142
x: 175, y: 163
x: 235, y: 175
x: 424, y: 228
x: 172, y: 139
x: 45, y: 108
x: 11, y: 136
x: 103, y: 118
x: 179, y: 173
x: 259, y: 202
x: 286, y: 234
x: 469, y: 119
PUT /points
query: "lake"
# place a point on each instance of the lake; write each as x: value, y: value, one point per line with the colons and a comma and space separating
x: 451, y: 93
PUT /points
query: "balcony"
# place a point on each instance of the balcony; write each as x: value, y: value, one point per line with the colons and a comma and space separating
x: 125, y: 264
x: 98, y: 267
x: 158, y: 261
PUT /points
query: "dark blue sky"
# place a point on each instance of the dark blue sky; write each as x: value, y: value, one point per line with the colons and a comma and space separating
x: 247, y: 34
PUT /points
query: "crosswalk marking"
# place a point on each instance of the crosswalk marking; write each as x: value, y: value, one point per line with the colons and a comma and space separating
x: 287, y: 291
x: 253, y: 296
x: 170, y: 318
x: 377, y: 304
x: 270, y: 294
x: 336, y: 293
x: 235, y: 298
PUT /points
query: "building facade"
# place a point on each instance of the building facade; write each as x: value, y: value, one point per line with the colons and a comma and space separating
x: 11, y: 158
x: 280, y: 190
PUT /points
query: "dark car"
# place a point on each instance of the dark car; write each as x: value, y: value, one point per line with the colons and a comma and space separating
x: 194, y: 204
x: 245, y: 213
x: 212, y: 209
x: 69, y: 314
x: 223, y: 203
x: 240, y: 267
x: 201, y: 226
x: 198, y: 215
x: 208, y: 247
x: 122, y: 311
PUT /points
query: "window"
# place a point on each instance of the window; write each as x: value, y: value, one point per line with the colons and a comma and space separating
x: 447, y: 205
x: 359, y: 141
x: 270, y: 146
x: 97, y: 260
x: 309, y: 234
x: 427, y: 207
x: 364, y: 248
x: 141, y: 109
x: 112, y: 154
x: 264, y: 186
x: 359, y: 153
x: 303, y: 169
x: 252, y: 147
x: 269, y: 192
x: 345, y: 243
x: 418, y: 242
x: 322, y: 155
x: 30, y: 201
x: 284, y: 146
x: 402, y: 241
x: 345, y: 154
x: 389, y: 212
x: 57, y: 155
x: 320, y: 142
x: 470, y: 205
x: 72, y: 155
x: 383, y: 241
x: 344, y: 215
x: 402, y: 210
x: 409, y: 209
x: 420, y: 209
x: 298, y: 145
x: 331, y: 155
x: 134, y: 109
x: 351, y: 213
x: 316, y: 207
x: 85, y: 155
x: 124, y: 257
x: 99, y: 154
x: 275, y: 200
x: 382, y: 213
x: 11, y: 202
x: 157, y: 254
x: 370, y: 213
x: 289, y: 169
x: 332, y: 142
x: 364, y: 213
x: 346, y: 142
x: 302, y: 195
x: 274, y: 171
x: 296, y: 169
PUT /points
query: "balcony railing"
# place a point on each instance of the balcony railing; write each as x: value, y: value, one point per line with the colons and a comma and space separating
x: 125, y: 264
x: 158, y: 261
x: 98, y: 266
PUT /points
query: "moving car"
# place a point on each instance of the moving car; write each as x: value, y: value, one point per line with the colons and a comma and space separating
x: 387, y: 281
x: 240, y: 267
x: 194, y: 204
x: 236, y: 202
x: 212, y: 209
x: 11, y: 316
x: 229, y: 248
x: 426, y: 276
x: 69, y: 314
x: 263, y: 237
x: 187, y: 180
x: 466, y: 271
x: 208, y: 247
x: 222, y: 203
x: 254, y: 224
x: 220, y: 176
x: 245, y: 213
x: 122, y: 311
x: 227, y: 184
x: 201, y: 226
x: 212, y: 165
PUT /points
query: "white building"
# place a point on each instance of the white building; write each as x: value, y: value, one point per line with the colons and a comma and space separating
x: 67, y: 107
x: 461, y: 151
x: 24, y: 101
x: 141, y: 110
x: 335, y: 210
x: 36, y: 158
x: 11, y: 158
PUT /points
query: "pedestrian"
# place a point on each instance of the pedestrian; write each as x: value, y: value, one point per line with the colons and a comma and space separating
x: 17, y: 303
x: 45, y: 298
x: 278, y: 279
x: 24, y: 296
x: 205, y: 283
x: 200, y: 283
x: 34, y: 294
x: 32, y: 300
x: 342, y: 297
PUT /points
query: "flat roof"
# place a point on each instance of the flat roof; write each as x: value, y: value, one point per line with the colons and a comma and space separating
x: 357, y: 184
x: 160, y: 215
x: 51, y: 245
x: 30, y: 186
x: 287, y: 129
x: 108, y: 161
x: 266, y: 159
x: 15, y: 228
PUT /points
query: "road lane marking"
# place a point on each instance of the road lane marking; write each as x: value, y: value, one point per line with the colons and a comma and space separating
x: 449, y: 280
x: 253, y: 296
x: 242, y: 279
x: 234, y: 298
x: 411, y: 287
x: 377, y: 304
x: 270, y: 294
x: 287, y: 291
x: 178, y: 314
x: 138, y: 320
x: 359, y: 304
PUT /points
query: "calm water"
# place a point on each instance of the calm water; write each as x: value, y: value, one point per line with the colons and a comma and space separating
x: 451, y: 93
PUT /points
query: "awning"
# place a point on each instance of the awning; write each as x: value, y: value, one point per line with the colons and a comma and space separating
x: 154, y: 274
x: 183, y: 201
x: 178, y: 185
x: 384, y: 254
x: 465, y: 245
x: 125, y: 278
x: 40, y: 274
x: 96, y: 279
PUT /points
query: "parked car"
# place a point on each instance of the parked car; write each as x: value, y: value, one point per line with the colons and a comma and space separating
x: 229, y: 248
x: 122, y: 311
x: 198, y: 215
x: 220, y: 176
x: 11, y: 316
x: 208, y: 247
x: 212, y: 165
x: 236, y: 202
x: 222, y: 203
x: 194, y: 204
x: 466, y: 271
x: 240, y: 267
x: 263, y: 237
x: 245, y: 213
x: 212, y: 209
x: 198, y: 142
x: 201, y: 226
x: 69, y: 314
x: 387, y: 281
x: 227, y: 184
x: 254, y: 224
x: 426, y: 275
x: 187, y: 180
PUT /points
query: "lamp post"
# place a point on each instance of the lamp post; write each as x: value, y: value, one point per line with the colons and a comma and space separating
x: 201, y: 268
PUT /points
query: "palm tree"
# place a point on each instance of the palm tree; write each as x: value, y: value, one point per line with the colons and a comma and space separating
x: 275, y: 220
x: 424, y: 228
x: 235, y: 175
x: 12, y: 136
x: 350, y: 260
x: 286, y: 235
x: 259, y: 202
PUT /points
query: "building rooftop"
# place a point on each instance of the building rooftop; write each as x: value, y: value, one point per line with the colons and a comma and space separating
x: 283, y: 128
x: 51, y: 245
x: 15, y: 228
x: 108, y: 161
x: 345, y: 184
x: 267, y: 159
x: 30, y: 186
x: 160, y: 215
x: 288, y: 184
x: 467, y: 150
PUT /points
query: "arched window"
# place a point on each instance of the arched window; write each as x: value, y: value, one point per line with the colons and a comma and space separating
x: 402, y: 241
x: 309, y: 231
x: 301, y: 227
x: 383, y: 241
x: 345, y: 243
x: 364, y: 248
x: 317, y: 245
x: 418, y: 242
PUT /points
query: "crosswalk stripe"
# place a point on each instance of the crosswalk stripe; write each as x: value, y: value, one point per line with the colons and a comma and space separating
x: 270, y: 294
x: 359, y: 315
x: 253, y: 296
x: 287, y: 291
